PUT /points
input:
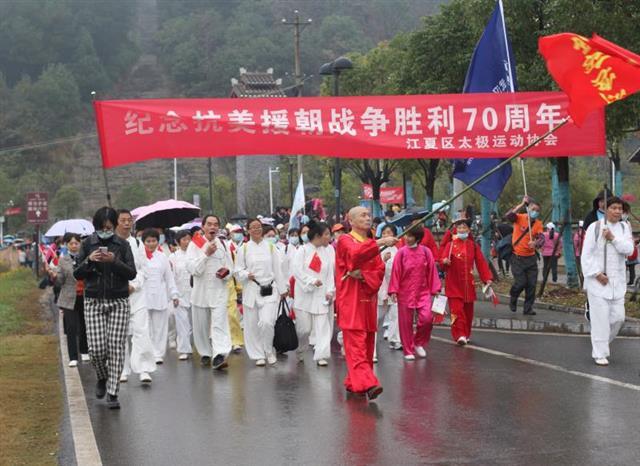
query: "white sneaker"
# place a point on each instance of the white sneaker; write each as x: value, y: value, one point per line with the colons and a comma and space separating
x: 159, y: 361
x: 124, y: 378
x: 375, y: 360
x: 271, y: 359
x: 260, y: 362
x: 236, y: 348
x: 409, y: 357
x: 461, y: 341
x: 85, y: 358
x: 145, y: 377
x: 73, y: 363
x: 395, y: 345
x: 602, y: 361
x: 172, y: 344
x: 322, y: 362
x: 300, y: 356
x: 183, y: 357
x: 421, y: 352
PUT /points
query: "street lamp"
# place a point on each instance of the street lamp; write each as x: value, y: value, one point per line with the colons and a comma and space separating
x: 334, y: 69
x: 272, y: 171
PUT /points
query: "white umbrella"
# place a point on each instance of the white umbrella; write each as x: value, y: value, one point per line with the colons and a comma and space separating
x: 74, y: 225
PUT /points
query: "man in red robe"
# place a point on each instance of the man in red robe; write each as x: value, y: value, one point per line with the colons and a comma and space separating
x: 359, y: 274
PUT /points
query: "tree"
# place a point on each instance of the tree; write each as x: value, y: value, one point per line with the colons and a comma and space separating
x: 66, y: 202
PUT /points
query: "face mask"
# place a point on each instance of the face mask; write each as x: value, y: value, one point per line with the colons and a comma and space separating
x: 305, y: 238
x: 161, y: 240
x: 272, y: 240
x: 463, y: 235
x: 294, y: 240
x: 105, y: 234
x: 534, y: 214
x: 238, y: 237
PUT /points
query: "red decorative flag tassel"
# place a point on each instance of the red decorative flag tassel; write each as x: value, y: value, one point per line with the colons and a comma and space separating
x: 316, y: 263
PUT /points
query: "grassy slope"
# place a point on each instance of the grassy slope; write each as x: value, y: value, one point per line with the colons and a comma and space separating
x: 30, y: 391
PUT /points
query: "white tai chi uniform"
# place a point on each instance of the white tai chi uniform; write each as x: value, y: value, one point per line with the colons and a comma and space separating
x: 209, y: 299
x: 182, y: 278
x: 264, y: 260
x: 313, y: 310
x: 387, y: 309
x: 606, y: 303
x: 139, y: 354
x: 158, y: 286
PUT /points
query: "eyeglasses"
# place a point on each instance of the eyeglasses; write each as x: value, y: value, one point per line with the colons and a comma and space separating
x: 255, y: 229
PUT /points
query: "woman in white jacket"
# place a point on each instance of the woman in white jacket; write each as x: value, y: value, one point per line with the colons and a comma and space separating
x: 158, y: 286
x: 606, y: 246
x: 182, y: 278
x: 258, y: 267
x: 387, y: 306
x: 313, y: 268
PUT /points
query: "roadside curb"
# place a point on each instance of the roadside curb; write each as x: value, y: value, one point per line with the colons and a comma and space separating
x: 84, y: 440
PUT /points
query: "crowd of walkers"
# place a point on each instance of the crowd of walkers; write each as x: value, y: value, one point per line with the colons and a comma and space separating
x: 128, y: 296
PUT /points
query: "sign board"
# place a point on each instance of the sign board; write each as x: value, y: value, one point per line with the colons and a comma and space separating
x: 388, y: 195
x: 13, y: 211
x: 37, y: 208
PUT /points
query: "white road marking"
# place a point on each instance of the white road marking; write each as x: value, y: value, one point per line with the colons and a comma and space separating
x: 546, y: 365
x: 84, y: 440
x: 525, y: 332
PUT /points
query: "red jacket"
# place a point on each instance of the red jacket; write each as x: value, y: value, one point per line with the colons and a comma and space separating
x: 459, y: 274
x: 357, y: 300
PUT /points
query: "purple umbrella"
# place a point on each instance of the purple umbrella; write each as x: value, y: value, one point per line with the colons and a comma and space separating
x: 164, y: 214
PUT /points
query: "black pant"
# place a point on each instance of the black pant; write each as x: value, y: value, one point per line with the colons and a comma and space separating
x: 503, y: 265
x: 632, y: 273
x: 550, y: 262
x: 74, y: 328
x: 525, y: 277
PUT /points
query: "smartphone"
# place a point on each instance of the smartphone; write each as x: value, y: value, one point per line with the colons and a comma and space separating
x: 103, y: 249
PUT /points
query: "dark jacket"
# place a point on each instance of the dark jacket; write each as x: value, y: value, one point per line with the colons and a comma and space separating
x: 105, y: 280
x: 592, y: 216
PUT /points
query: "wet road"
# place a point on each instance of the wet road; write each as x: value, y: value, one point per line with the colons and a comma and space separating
x: 460, y: 405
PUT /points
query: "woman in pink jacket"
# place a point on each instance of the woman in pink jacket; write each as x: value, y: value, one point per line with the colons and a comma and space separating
x: 551, y: 250
x: 414, y: 281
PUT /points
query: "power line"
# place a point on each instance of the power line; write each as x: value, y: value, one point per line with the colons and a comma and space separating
x: 52, y: 142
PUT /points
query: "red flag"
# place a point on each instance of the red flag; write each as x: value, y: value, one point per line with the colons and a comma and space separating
x: 592, y: 72
x: 199, y: 240
x: 316, y: 263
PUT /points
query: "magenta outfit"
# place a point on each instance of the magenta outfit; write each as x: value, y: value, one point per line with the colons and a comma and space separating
x: 549, y: 244
x: 414, y: 281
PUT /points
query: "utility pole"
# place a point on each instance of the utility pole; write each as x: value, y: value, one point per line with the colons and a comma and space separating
x: 298, y: 27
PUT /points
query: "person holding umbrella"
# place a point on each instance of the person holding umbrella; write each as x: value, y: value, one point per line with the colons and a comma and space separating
x: 209, y: 262
x: 106, y: 265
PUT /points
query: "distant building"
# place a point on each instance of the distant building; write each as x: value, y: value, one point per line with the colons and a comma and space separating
x: 252, y: 171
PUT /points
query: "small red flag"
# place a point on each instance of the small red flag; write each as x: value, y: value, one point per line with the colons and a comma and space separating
x: 199, y: 240
x: 592, y: 72
x: 316, y: 263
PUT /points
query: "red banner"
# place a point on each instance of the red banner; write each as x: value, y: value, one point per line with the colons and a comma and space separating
x: 388, y: 195
x: 399, y: 126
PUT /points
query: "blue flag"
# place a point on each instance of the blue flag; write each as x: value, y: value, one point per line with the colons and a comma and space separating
x: 492, y: 69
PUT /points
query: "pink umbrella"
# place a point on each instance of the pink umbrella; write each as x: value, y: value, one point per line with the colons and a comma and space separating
x: 164, y: 214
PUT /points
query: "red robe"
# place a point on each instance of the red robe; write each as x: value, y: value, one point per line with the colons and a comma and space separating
x: 459, y: 278
x: 427, y: 240
x: 358, y: 300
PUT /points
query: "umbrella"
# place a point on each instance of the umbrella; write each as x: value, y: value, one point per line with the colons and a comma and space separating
x: 73, y: 225
x: 164, y: 214
x: 405, y: 217
x: 239, y: 218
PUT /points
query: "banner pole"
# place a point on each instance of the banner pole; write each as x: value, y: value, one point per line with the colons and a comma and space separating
x: 486, y: 175
x: 104, y: 170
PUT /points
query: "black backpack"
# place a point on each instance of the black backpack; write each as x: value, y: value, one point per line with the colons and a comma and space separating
x: 285, y: 337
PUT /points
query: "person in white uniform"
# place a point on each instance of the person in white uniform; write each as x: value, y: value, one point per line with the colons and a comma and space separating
x: 258, y: 267
x: 159, y: 285
x: 182, y: 277
x: 387, y: 306
x: 209, y: 262
x: 607, y: 243
x: 139, y: 354
x: 313, y: 268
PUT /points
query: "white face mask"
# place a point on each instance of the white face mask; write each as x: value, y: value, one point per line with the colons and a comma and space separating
x: 161, y: 240
x: 305, y: 238
x: 272, y: 239
x: 294, y: 240
x: 238, y: 237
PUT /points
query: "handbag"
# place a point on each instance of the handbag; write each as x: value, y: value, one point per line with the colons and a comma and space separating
x: 285, y: 337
